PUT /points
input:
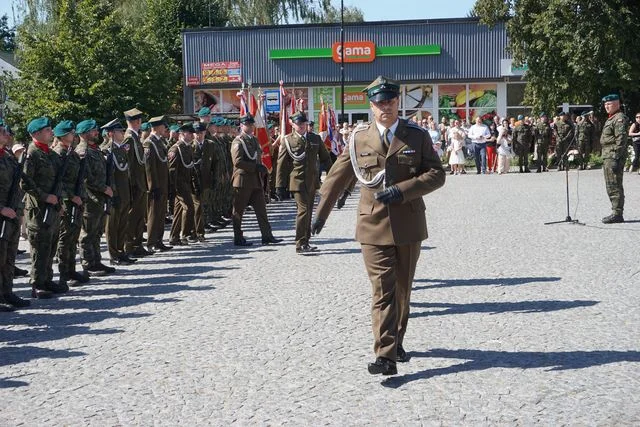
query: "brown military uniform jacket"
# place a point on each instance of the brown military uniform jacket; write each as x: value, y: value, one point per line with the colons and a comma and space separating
x: 410, y: 163
x: 181, y: 167
x: 245, y: 174
x: 155, y: 152
x: 120, y: 178
x: 303, y: 173
x: 203, y: 156
x: 137, y: 177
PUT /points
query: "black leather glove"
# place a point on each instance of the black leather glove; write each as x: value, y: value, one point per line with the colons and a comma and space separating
x: 317, y: 226
x: 343, y: 199
x: 281, y: 193
x: 389, y: 195
x: 262, y: 168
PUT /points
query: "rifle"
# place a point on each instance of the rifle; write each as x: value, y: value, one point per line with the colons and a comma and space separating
x: 108, y: 201
x: 7, y: 226
x: 56, y: 191
x: 78, y: 190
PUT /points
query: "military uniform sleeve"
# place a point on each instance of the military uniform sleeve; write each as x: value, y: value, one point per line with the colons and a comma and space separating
x: 237, y: 157
x: 28, y: 183
x: 620, y: 132
x: 94, y: 181
x: 432, y: 174
x: 323, y: 154
x: 338, y: 179
x: 285, y: 164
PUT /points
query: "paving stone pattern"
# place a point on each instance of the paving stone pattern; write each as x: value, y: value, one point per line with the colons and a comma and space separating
x: 513, y: 323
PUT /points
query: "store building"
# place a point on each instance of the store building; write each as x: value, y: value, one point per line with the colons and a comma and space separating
x: 447, y: 67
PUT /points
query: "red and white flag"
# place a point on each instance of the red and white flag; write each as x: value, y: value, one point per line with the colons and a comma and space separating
x: 257, y: 111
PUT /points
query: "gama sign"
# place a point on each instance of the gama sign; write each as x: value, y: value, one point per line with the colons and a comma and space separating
x: 362, y: 51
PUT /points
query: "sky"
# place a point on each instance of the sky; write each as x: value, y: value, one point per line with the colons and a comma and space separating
x: 377, y: 10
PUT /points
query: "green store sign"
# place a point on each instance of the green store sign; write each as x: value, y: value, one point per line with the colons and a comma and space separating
x: 335, y: 52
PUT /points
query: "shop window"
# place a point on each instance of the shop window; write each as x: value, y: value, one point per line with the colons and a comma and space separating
x: 483, y: 102
x: 452, y: 102
x: 206, y: 98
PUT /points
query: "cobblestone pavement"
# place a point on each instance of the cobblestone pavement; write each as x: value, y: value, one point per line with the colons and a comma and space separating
x: 513, y: 323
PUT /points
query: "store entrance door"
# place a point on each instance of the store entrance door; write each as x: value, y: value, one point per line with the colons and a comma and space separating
x: 354, y: 117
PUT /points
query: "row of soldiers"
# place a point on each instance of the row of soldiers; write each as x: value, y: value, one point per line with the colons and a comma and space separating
x: 528, y: 137
x: 70, y: 190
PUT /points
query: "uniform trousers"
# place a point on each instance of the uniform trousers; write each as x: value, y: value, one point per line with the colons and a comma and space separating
x: 92, y: 228
x: 135, y: 219
x: 116, y: 229
x: 613, y: 174
x: 182, y: 225
x: 8, y: 251
x: 67, y: 240
x: 391, y: 270
x: 43, y: 248
x: 199, y: 205
x: 155, y: 220
x: 304, y: 202
x: 242, y: 197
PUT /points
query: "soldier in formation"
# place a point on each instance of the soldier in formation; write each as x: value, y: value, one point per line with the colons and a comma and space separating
x: 614, y: 142
x: 542, y: 134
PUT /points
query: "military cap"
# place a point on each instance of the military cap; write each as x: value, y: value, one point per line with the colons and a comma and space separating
x: 112, y: 125
x: 186, y: 127
x: 312, y: 123
x: 199, y: 127
x: 38, y: 124
x: 17, y: 147
x: 611, y: 97
x: 145, y: 126
x: 85, y: 126
x: 247, y: 119
x: 298, y: 117
x: 133, y: 114
x: 204, y: 111
x: 174, y: 128
x: 157, y: 121
x: 382, y: 89
x: 520, y: 117
x: 63, y: 128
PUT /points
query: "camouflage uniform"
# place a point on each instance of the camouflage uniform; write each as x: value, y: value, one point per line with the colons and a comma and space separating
x: 564, y: 138
x: 614, y: 154
x: 542, y: 133
x: 522, y: 139
x: 585, y: 133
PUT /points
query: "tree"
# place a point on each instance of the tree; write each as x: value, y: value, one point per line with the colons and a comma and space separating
x: 7, y: 35
x: 89, y: 65
x: 328, y: 13
x: 576, y: 50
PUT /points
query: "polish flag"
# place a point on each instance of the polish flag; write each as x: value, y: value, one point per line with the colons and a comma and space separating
x: 257, y: 111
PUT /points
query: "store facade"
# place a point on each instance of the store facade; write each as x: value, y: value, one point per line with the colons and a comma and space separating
x: 454, y: 68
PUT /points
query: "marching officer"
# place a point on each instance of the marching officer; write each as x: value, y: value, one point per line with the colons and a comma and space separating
x: 585, y: 133
x: 247, y: 183
x: 396, y: 164
x: 155, y: 152
x: 99, y: 193
x: 137, y: 182
x: 181, y: 174
x: 614, y: 141
x: 10, y: 207
x: 299, y: 154
x: 41, y: 176
x: 203, y: 159
x: 73, y: 204
x: 542, y: 134
x: 116, y: 150
x: 564, y: 138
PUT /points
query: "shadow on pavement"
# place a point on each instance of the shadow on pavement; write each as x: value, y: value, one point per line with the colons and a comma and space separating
x: 22, y: 354
x: 479, y: 360
x: 498, y: 281
x: 498, y: 307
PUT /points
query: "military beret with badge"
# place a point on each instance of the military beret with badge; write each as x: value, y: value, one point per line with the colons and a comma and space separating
x: 204, y: 111
x: 145, y: 127
x: 86, y: 126
x: 382, y: 89
x: 611, y: 97
x: 298, y: 117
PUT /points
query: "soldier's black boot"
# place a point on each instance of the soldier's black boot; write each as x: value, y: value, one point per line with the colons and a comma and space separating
x: 16, y: 301
x: 77, y: 279
x: 5, y: 306
x: 613, y: 219
x: 19, y: 272
x: 39, y: 292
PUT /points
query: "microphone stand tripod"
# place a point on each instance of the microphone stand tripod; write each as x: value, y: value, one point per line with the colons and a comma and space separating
x: 565, y: 162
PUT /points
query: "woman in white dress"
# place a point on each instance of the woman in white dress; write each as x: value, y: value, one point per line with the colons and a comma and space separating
x: 504, y: 147
x: 456, y: 141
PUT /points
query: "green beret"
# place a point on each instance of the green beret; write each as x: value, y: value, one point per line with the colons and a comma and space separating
x: 612, y: 97
x: 63, y: 128
x: 382, y: 89
x: 86, y: 126
x: 247, y: 119
x: 157, y: 121
x: 145, y: 126
x: 204, y: 111
x: 199, y: 127
x: 520, y: 117
x: 298, y: 117
x: 38, y: 124
x: 175, y: 128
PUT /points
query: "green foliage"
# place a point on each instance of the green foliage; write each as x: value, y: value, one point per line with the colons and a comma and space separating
x: 7, y: 35
x: 576, y: 50
x: 89, y: 65
x: 327, y: 13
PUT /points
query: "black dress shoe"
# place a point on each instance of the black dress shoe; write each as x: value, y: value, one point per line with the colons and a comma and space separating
x: 5, y: 307
x: 76, y: 278
x: 128, y: 259
x: 16, y: 301
x: 141, y: 252
x: 270, y: 240
x: 382, y: 366
x: 41, y: 293
x: 162, y: 247
x: 56, y: 287
x: 612, y: 219
x: 401, y: 355
x: 100, y: 269
x: 21, y: 251
x: 241, y: 242
x: 305, y: 249
x: 19, y: 272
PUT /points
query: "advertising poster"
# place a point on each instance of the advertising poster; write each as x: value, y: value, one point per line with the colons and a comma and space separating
x: 230, y: 103
x: 483, y: 102
x: 205, y: 98
x: 479, y: 101
x: 221, y: 72
x: 325, y: 93
x: 418, y: 100
x: 452, y: 101
x: 354, y: 99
